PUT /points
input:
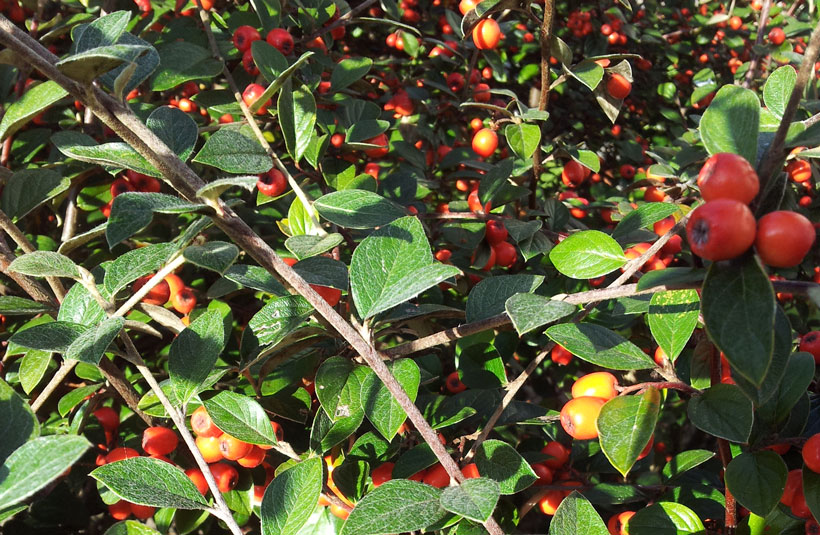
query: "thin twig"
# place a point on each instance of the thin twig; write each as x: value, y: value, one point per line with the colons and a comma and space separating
x: 30, y: 286
x: 56, y: 380
x: 545, y: 39
x: 761, y: 25
x: 20, y: 239
x: 343, y: 20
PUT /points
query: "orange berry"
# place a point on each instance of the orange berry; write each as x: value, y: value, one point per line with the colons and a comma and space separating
x: 598, y: 384
x: 558, y: 452
x: 195, y: 475
x: 184, y: 300
x: 202, y: 424
x: 232, y: 448
x: 143, y: 512
x: 382, y: 474
x: 120, y: 510
x: 811, y: 453
x: 579, y: 415
x: 119, y: 454
x: 159, y: 441
x: 617, y: 524
x: 470, y: 471
x: 209, y: 448
x: 550, y: 502
x: 436, y: 476
x: 252, y: 459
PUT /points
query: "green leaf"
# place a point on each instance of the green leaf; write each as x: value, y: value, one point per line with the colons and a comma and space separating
x: 397, y: 506
x: 33, y: 367
x: 645, y: 215
x: 530, y: 311
x: 55, y: 336
x: 672, y: 319
x: 587, y: 254
x: 87, y: 65
x: 798, y: 375
x: 576, y: 515
x: 45, y: 264
x: 523, y: 139
x: 269, y: 13
x: 323, y: 271
x: 86, y: 149
x: 811, y: 489
x: 723, y: 411
x: 600, y: 346
x: 20, y: 424
x: 684, y: 462
x: 37, y: 463
x: 670, y: 275
x: 666, y: 518
x: 180, y: 61
x: 193, y: 354
x: 255, y: 277
x: 79, y: 306
x: 33, y: 101
x: 326, y: 433
x: 338, y: 388
x: 474, y: 499
x: 132, y: 212
x: 176, y: 128
x: 757, y: 480
x: 291, y: 498
x: 75, y: 397
x: 499, y: 461
x: 217, y: 187
x: 348, y: 71
x: 268, y: 59
x: 297, y: 117
x: 234, y: 149
x: 278, y: 318
x: 19, y: 306
x: 381, y: 408
x: 134, y: 264
x: 27, y: 189
x: 738, y: 309
x: 731, y: 122
x: 625, y: 426
x: 307, y: 246
x: 489, y: 297
x: 392, y: 265
x: 130, y: 527
x: 93, y: 343
x: 778, y: 89
x: 152, y: 482
x: 356, y: 208
x: 241, y: 417
x: 588, y: 73
x: 280, y: 81
x: 215, y: 255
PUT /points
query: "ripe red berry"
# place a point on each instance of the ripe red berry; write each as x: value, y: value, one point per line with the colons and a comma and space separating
x: 811, y: 453
x: 109, y: 418
x: 331, y: 295
x: 721, y: 229
x: 436, y: 476
x: 159, y: 441
x: 143, y: 512
x: 784, y: 238
x: 244, y: 36
x: 382, y: 474
x: 495, y: 231
x: 559, y: 454
x: 777, y: 36
x: 195, y: 475
x: 119, y: 186
x: 810, y: 343
x: 505, y: 254
x: 251, y: 94
x: 272, y: 184
x: 184, y: 300
x: 728, y: 176
x: 573, y: 174
x: 618, y: 86
x: 158, y: 295
x: 470, y: 471
x: 232, y: 448
x: 120, y: 454
x: 454, y: 384
x: 281, y: 40
x: 225, y: 475
x: 560, y: 355
x: 120, y: 510
x: 380, y: 151
x: 202, y: 424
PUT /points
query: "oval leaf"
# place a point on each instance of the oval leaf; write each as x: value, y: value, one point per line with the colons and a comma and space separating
x: 757, y: 480
x: 731, y: 122
x: 396, y: 506
x: 576, y: 515
x: 587, y: 254
x: 291, y: 498
x: 625, y: 426
x: 357, y: 208
x: 530, y: 311
x: 723, y: 411
x: 152, y: 482
x: 474, y: 499
x: 672, y: 319
x: 240, y: 417
x: 666, y: 518
x: 499, y: 461
x: 600, y: 346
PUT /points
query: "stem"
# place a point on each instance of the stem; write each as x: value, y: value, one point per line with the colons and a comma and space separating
x: 670, y: 385
x: 761, y: 24
x: 222, y: 509
x: 31, y: 287
x: 545, y: 39
x: 774, y: 156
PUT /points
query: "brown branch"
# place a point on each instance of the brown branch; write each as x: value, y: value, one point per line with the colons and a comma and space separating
x: 776, y: 153
x: 117, y: 379
x: 545, y: 39
x: 761, y: 25
x: 343, y: 20
x: 670, y: 385
x: 30, y: 286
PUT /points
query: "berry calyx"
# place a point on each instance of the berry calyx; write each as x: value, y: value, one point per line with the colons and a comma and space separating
x: 721, y: 230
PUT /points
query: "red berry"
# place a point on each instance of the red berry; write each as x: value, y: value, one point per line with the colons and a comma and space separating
x: 783, y: 238
x: 272, y: 184
x: 244, y: 36
x: 728, y: 176
x: 721, y: 229
x: 281, y: 40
